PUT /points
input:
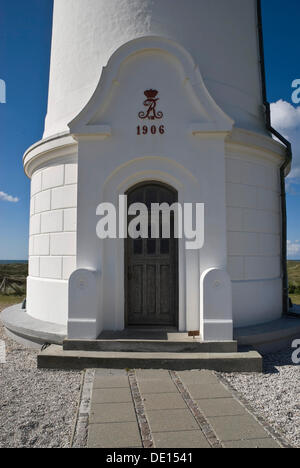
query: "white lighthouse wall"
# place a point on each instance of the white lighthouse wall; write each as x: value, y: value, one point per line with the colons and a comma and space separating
x: 52, y: 242
x: 220, y: 35
x: 253, y: 236
x: 243, y: 235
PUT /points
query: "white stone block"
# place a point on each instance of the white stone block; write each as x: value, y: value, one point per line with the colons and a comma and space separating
x: 262, y: 268
x: 256, y: 302
x: 234, y: 219
x: 36, y: 183
x: 242, y: 243
x: 35, y: 224
x: 272, y: 179
x: 52, y: 221
x: 70, y: 219
x: 42, y: 201
x: 34, y: 266
x: 64, y: 197
x: 71, y: 173
x: 47, y: 299
x: 235, y: 268
x: 253, y: 174
x: 30, y: 250
x: 32, y: 200
x: 52, y: 177
x: 243, y: 196
x: 63, y: 243
x: 269, y: 244
x: 233, y: 170
x: 41, y: 245
x: 51, y: 267
x: 261, y: 221
x: 69, y: 265
x: 268, y: 200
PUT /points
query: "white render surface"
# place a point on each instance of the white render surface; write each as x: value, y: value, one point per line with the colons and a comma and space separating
x: 215, y: 151
x: 86, y: 33
x: 52, y: 251
x: 216, y: 305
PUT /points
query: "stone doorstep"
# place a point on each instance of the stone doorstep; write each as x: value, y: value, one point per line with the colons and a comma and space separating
x: 271, y: 336
x: 54, y: 357
x: 26, y: 329
x: 184, y: 344
x: 266, y: 337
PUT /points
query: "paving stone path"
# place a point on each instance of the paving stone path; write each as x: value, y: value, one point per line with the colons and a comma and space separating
x: 166, y: 409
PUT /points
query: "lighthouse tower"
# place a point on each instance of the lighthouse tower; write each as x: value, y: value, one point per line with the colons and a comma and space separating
x: 159, y: 101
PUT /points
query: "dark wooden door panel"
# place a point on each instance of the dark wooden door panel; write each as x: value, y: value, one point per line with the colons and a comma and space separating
x: 151, y: 268
x: 136, y: 290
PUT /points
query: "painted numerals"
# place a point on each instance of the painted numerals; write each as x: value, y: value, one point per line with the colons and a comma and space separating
x: 151, y: 113
x: 153, y: 130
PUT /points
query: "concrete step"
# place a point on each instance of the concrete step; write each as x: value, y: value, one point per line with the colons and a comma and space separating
x: 54, y: 357
x: 269, y: 337
x: 151, y: 346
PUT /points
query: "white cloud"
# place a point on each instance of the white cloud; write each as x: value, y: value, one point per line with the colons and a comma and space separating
x: 293, y: 248
x: 9, y: 198
x: 284, y: 115
x: 286, y: 120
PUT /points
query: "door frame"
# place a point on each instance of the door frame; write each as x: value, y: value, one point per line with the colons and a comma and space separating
x: 146, y: 183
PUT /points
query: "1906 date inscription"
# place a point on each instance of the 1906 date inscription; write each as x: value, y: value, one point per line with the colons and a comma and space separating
x: 153, y: 130
x: 151, y: 113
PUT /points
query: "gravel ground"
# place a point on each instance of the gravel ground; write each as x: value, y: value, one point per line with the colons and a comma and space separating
x: 37, y: 407
x: 275, y: 394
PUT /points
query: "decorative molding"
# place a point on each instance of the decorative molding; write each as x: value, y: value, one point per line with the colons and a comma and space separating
x: 217, y: 120
x: 61, y: 147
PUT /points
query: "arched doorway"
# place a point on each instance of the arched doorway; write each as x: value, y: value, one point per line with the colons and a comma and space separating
x: 151, y: 266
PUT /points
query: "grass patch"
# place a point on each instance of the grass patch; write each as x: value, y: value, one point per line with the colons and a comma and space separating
x: 13, y: 279
x: 294, y: 280
x: 294, y: 272
x: 7, y: 301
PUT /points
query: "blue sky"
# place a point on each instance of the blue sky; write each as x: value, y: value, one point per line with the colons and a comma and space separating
x: 25, y: 38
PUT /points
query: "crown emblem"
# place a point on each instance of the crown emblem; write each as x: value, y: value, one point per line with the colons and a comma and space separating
x: 151, y: 93
x: 151, y: 113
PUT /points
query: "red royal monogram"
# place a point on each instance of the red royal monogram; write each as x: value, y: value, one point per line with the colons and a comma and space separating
x: 150, y: 103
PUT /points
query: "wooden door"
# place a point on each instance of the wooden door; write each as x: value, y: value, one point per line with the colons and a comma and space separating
x: 151, y: 267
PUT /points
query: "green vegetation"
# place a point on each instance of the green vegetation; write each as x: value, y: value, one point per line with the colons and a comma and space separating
x: 294, y: 280
x: 14, y: 269
x: 13, y: 279
x: 6, y: 301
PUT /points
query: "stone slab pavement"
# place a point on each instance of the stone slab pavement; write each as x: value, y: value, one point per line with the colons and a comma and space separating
x: 167, y: 409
